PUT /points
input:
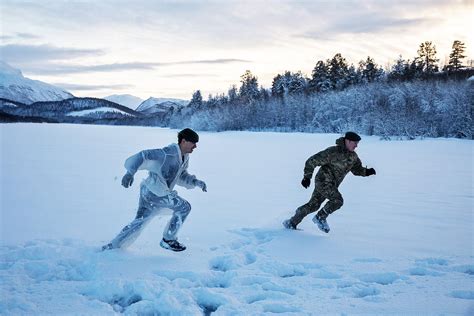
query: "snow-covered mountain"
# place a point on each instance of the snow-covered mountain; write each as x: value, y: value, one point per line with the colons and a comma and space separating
x: 127, y: 100
x: 155, y: 105
x: 14, y: 86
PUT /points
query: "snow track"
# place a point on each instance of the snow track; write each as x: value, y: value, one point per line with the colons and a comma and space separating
x: 241, y: 278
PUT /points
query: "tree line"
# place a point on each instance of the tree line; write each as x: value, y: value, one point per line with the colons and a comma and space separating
x: 414, y: 98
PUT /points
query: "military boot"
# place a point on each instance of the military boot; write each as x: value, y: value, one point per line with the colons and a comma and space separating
x: 321, y: 222
x: 288, y: 224
x: 107, y: 247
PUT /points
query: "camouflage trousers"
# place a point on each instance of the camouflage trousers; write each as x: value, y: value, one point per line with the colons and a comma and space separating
x: 149, y: 206
x: 322, y: 191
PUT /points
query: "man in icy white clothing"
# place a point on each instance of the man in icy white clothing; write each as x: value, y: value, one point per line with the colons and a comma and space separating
x: 167, y: 167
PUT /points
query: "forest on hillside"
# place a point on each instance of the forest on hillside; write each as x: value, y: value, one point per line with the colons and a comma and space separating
x: 412, y: 99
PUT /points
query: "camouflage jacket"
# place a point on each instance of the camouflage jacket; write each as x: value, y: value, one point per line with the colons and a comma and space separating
x: 334, y: 162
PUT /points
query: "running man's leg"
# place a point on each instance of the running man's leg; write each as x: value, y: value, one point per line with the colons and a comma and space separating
x: 146, y: 211
x: 312, y: 206
x: 335, y: 202
x: 181, y: 209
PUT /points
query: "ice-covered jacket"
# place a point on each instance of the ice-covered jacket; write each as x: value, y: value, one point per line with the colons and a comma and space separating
x: 335, y: 162
x: 166, y: 168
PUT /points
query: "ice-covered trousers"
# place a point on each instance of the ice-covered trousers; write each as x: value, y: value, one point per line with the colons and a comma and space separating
x: 149, y: 206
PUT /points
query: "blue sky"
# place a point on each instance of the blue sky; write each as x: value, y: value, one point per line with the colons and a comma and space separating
x: 172, y: 48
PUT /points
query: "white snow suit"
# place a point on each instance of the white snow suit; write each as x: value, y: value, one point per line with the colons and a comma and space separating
x: 167, y: 167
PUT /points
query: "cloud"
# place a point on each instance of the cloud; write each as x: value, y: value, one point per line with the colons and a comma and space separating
x: 6, y: 37
x: 85, y: 87
x: 49, y: 69
x: 17, y: 36
x: 200, y: 75
x: 372, y: 24
x: 26, y: 36
x: 42, y: 59
x: 214, y: 61
x: 18, y: 53
x: 367, y: 23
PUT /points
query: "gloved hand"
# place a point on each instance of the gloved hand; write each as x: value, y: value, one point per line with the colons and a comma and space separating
x: 306, y: 182
x: 201, y: 184
x: 370, y: 171
x: 127, y: 180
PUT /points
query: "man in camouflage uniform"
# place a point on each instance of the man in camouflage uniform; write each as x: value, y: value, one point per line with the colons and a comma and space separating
x: 335, y: 163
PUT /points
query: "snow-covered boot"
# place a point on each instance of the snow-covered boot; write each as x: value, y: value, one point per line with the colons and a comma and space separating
x: 172, y: 245
x: 321, y: 223
x: 288, y: 224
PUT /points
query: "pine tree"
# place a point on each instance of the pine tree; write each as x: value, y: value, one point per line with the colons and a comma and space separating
x: 278, y: 87
x: 196, y: 99
x: 338, y: 72
x: 456, y: 55
x: 212, y: 101
x: 319, y: 81
x: 297, y: 83
x: 232, y: 93
x: 427, y: 57
x: 288, y: 83
x: 398, y: 70
x: 353, y: 75
x: 369, y: 70
x: 264, y: 94
x: 249, y: 88
x: 415, y: 70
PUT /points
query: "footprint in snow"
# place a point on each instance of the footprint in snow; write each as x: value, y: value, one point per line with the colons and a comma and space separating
x: 467, y: 269
x: 463, y: 294
x: 363, y: 291
x: 422, y: 271
x: 208, y: 301
x: 224, y: 263
x: 430, y: 267
x: 256, y: 235
x: 283, y: 270
x: 280, y: 308
x: 383, y: 278
x: 432, y: 262
x: 266, y: 295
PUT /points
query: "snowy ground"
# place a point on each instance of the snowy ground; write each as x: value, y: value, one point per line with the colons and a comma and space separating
x: 401, y: 244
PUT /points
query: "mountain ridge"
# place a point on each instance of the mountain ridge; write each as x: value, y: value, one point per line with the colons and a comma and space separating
x: 14, y: 86
x: 147, y: 105
x: 127, y: 100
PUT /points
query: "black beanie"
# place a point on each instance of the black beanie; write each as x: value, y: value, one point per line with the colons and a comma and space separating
x: 352, y: 136
x: 189, y: 135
